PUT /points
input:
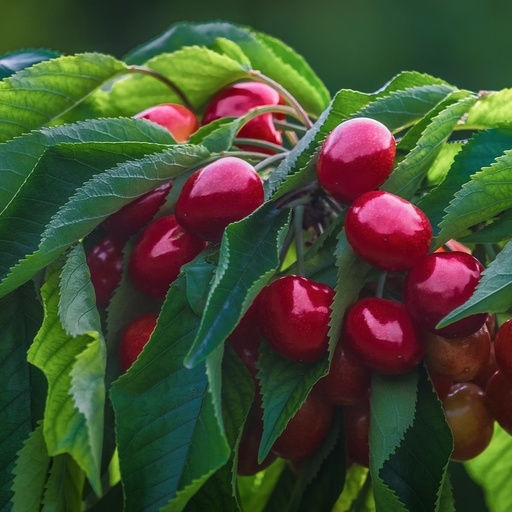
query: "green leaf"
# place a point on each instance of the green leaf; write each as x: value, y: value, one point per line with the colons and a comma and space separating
x: 491, y: 110
x: 491, y: 470
x: 231, y: 50
x: 487, y: 194
x: 279, y: 498
x: 17, y: 60
x: 444, y: 161
x: 30, y: 473
x: 19, y: 156
x: 20, y: 318
x: 167, y: 448
x: 70, y: 369
x: 249, y: 256
x: 356, y: 495
x: 37, y: 95
x: 499, y: 230
x: 218, y: 135
x: 493, y: 293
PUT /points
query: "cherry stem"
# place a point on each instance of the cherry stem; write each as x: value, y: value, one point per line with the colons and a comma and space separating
x: 292, y: 138
x: 289, y: 127
x: 335, y: 206
x: 272, y: 109
x: 269, y: 161
x: 259, y: 143
x: 285, y: 94
x: 285, y: 199
x: 381, y: 283
x: 298, y: 220
x: 244, y: 154
x: 167, y: 81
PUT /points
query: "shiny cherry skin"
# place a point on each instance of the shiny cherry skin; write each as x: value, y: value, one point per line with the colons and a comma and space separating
x: 356, y: 422
x: 387, y: 231
x: 294, y: 316
x: 159, y: 253
x: 356, y: 157
x: 220, y: 193
x: 134, y: 337
x: 306, y: 430
x: 179, y: 120
x: 238, y: 100
x: 469, y: 419
x: 461, y: 359
x: 498, y: 397
x: 487, y: 371
x: 105, y: 262
x: 131, y: 218
x: 503, y: 347
x: 348, y: 380
x: 437, y: 285
x: 381, y: 335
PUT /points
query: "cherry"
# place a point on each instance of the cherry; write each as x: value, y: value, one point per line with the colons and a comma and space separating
x: 461, y: 359
x: 159, y: 253
x: 487, y: 371
x: 236, y: 101
x: 220, y: 193
x: 348, y: 381
x: 132, y: 217
x: 307, y: 429
x: 134, y: 337
x: 437, y: 285
x: 105, y: 261
x: 387, y: 231
x: 469, y: 419
x: 498, y: 397
x: 294, y: 316
x: 179, y: 120
x: 356, y: 157
x: 356, y: 421
x: 381, y: 335
x: 503, y: 347
x: 442, y: 384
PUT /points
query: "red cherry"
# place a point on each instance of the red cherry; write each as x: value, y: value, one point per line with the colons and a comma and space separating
x: 179, y: 120
x: 134, y: 337
x: 503, y: 347
x: 236, y: 101
x: 160, y: 252
x: 294, y: 316
x: 380, y: 333
x: 437, y: 285
x: 356, y: 157
x: 487, y: 371
x: 223, y: 192
x: 442, y: 384
x: 135, y: 215
x: 387, y: 231
x: 356, y: 421
x: 105, y: 261
x: 498, y: 397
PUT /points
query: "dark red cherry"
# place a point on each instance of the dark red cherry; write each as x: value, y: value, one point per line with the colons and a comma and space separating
x: 105, y: 261
x: 437, y: 285
x: 134, y: 337
x: 356, y: 421
x: 179, y: 120
x: 220, y: 193
x: 135, y: 215
x: 387, y: 231
x: 236, y: 101
x: 294, y: 316
x: 356, y: 157
x: 498, y: 397
x: 381, y: 335
x: 160, y: 252
x: 503, y: 347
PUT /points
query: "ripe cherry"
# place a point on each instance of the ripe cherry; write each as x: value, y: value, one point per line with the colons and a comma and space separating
x: 442, y: 384
x: 220, y: 193
x: 294, y: 316
x: 356, y: 421
x: 160, y: 252
x: 503, y: 347
x: 461, y: 359
x: 356, y: 157
x: 387, y: 231
x: 239, y: 99
x: 498, y: 397
x: 487, y: 371
x: 105, y: 261
x: 135, y: 215
x: 134, y: 337
x: 381, y: 335
x: 469, y: 419
x: 179, y: 120
x: 437, y: 285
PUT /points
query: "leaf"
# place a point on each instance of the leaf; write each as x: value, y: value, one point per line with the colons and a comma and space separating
x: 37, y: 95
x: 493, y: 293
x: 19, y: 156
x: 355, y: 491
x: 66, y: 428
x: 30, y: 473
x: 491, y: 470
x: 231, y: 50
x: 491, y: 110
x: 487, y: 194
x: 218, y: 135
x: 167, y: 448
x: 497, y: 231
x: 443, y: 162
x: 15, y: 61
x: 249, y: 256
x: 20, y: 319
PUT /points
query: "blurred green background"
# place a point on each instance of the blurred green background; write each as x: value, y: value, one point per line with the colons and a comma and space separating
x: 358, y: 44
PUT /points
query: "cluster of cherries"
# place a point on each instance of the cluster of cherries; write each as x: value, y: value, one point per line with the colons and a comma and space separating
x: 472, y: 375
